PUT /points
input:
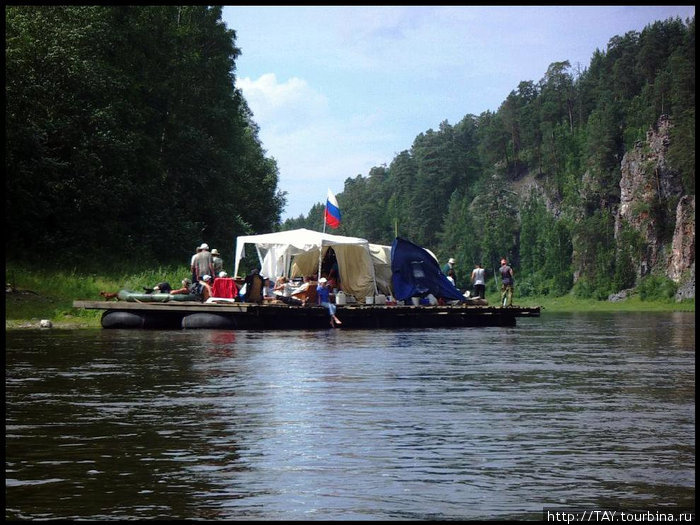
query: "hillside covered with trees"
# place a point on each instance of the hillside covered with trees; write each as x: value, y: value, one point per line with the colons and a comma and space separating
x: 127, y: 140
x: 126, y: 137
x: 539, y: 180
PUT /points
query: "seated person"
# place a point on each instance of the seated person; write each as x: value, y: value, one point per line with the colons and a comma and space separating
x: 306, y: 293
x: 254, y: 287
x: 283, y: 291
x: 324, y: 300
x: 268, y: 294
x: 186, y: 284
x: 205, y: 287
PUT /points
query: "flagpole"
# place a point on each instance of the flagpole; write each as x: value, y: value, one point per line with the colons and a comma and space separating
x: 325, y: 207
x: 320, y: 248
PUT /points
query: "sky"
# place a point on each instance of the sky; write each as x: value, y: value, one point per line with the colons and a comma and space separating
x: 338, y: 90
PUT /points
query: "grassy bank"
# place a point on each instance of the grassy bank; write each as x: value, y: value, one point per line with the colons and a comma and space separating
x: 49, y: 294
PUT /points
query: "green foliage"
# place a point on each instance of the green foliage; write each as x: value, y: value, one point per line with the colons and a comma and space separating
x: 125, y: 134
x: 656, y: 288
x: 462, y: 190
x: 630, y: 249
x: 682, y: 149
x: 127, y: 141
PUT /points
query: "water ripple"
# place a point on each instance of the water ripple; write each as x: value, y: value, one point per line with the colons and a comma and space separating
x: 413, y: 424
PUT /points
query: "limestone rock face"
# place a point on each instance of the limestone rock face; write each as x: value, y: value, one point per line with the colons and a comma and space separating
x: 681, y: 264
x: 650, y: 198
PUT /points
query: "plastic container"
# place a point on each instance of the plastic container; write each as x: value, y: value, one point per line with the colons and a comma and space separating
x: 415, y: 301
x: 380, y: 299
x: 341, y: 298
x: 369, y: 299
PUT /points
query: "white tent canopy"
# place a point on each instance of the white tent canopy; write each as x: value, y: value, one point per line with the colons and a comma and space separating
x: 277, y: 251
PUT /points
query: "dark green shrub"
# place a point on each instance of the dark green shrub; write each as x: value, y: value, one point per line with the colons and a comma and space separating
x: 656, y: 287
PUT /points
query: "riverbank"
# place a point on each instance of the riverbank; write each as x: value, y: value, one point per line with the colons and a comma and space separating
x: 31, y: 296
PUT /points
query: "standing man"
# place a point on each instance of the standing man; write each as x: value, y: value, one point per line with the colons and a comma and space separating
x: 450, y: 266
x: 194, y: 274
x: 507, y: 283
x: 217, y: 262
x: 202, y: 263
x: 479, y: 281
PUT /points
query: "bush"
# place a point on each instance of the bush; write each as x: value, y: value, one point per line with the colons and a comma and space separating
x: 583, y: 289
x: 526, y: 288
x: 656, y: 288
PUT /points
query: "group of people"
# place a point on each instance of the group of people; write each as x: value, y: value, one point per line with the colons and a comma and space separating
x: 205, y: 262
x: 258, y: 289
x: 208, y: 277
x: 309, y: 292
x: 209, y: 280
x: 478, y: 279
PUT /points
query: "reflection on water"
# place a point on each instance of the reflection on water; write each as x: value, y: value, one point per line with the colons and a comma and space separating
x: 564, y: 410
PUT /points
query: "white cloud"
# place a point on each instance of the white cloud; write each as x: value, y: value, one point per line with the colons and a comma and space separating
x: 314, y: 148
x: 282, y: 104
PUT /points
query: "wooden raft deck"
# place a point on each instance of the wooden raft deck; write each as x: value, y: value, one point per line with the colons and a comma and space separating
x: 243, y: 316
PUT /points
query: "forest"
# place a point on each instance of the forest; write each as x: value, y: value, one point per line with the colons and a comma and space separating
x: 127, y: 139
x: 538, y: 181
x: 126, y: 136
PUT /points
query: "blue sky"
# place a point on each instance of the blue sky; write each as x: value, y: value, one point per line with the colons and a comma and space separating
x: 338, y: 90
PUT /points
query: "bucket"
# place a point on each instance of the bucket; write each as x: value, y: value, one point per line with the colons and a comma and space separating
x: 415, y: 301
x: 341, y: 298
x: 380, y: 299
x: 369, y: 299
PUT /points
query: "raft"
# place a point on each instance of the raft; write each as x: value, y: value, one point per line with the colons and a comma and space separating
x: 250, y: 316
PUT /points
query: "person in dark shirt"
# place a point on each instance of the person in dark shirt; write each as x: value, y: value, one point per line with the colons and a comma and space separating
x: 507, y: 283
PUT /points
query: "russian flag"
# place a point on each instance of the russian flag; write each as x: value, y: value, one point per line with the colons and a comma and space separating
x: 332, y: 211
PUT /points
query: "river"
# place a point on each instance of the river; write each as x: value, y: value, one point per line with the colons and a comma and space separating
x: 565, y: 411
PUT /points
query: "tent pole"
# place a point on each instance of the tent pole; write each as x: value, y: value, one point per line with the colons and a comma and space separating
x: 235, y: 258
x: 320, y: 259
x: 260, y: 257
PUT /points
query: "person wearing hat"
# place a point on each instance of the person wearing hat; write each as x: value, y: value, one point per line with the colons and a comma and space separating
x: 450, y: 266
x: 186, y: 283
x: 217, y: 262
x: 202, y: 263
x: 324, y: 299
x: 206, y: 287
x: 507, y: 283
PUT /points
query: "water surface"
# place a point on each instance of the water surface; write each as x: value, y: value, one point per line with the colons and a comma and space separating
x: 575, y: 410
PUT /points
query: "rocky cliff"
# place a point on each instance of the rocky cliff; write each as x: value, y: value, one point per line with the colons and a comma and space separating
x: 651, y: 199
